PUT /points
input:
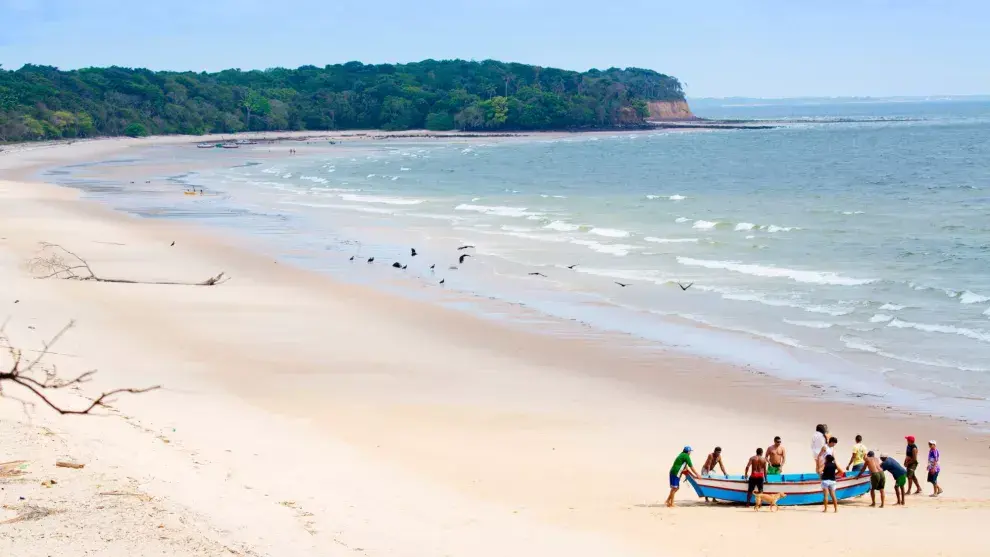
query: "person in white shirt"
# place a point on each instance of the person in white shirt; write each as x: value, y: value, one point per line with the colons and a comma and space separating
x: 818, y: 440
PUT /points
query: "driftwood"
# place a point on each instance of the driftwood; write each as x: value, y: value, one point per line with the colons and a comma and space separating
x: 58, y: 262
x: 40, y: 378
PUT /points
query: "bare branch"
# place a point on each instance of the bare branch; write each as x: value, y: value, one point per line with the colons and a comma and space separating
x: 25, y: 375
x: 55, y: 261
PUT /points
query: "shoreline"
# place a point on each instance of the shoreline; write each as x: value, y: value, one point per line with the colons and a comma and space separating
x: 467, y: 407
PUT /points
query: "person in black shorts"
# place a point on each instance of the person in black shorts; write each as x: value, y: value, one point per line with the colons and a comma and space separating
x: 756, y: 473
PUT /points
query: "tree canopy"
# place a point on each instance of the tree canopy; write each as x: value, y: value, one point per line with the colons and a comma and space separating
x: 43, y: 102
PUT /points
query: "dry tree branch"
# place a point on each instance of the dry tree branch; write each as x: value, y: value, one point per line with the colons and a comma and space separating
x: 64, y: 264
x: 25, y: 373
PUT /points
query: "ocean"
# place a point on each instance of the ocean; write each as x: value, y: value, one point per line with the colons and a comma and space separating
x: 848, y: 248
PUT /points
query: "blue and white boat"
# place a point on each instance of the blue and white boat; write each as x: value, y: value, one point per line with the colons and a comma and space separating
x: 801, y: 489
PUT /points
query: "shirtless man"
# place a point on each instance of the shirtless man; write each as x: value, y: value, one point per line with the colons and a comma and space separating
x: 878, y: 481
x: 776, y: 457
x: 758, y: 465
x: 715, y: 458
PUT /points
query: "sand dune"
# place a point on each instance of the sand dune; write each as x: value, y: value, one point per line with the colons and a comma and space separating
x: 301, y: 416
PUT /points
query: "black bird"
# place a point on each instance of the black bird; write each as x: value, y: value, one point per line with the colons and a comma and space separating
x: 432, y: 266
x: 461, y: 258
x: 404, y: 266
x: 16, y: 301
x: 622, y: 285
x: 464, y: 247
x: 352, y: 258
x: 572, y: 266
x: 685, y: 287
x: 442, y: 281
x: 538, y: 275
x: 397, y: 265
x: 412, y: 252
x: 370, y: 259
x: 173, y: 243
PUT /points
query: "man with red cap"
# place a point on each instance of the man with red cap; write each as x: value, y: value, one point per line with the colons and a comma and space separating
x: 911, y: 463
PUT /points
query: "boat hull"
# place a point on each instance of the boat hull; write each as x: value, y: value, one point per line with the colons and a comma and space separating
x: 801, y: 489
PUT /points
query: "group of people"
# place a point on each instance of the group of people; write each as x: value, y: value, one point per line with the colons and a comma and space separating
x: 861, y: 461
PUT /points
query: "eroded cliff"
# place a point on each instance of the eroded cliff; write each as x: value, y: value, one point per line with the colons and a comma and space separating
x: 670, y: 110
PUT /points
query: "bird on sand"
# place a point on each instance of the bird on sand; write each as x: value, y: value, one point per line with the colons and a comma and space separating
x: 412, y: 252
x: 538, y: 275
x: 572, y: 266
x: 622, y: 285
x: 172, y: 244
x: 397, y: 265
x: 16, y: 301
x: 371, y: 259
x: 461, y: 258
x: 464, y: 247
x: 443, y: 280
x: 685, y: 287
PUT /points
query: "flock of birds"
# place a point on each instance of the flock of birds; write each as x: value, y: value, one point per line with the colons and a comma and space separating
x: 463, y: 256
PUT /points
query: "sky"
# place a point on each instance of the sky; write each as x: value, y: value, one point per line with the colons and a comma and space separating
x: 717, y: 48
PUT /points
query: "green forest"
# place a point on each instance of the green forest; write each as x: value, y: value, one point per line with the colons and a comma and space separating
x: 43, y: 102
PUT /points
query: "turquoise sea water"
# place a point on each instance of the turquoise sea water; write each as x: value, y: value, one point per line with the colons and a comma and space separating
x: 851, y: 246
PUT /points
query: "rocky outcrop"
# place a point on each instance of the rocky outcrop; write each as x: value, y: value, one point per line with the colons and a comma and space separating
x: 670, y: 110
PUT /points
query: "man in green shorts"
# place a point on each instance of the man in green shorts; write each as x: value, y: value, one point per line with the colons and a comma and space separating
x: 878, y: 481
x: 911, y: 463
x: 899, y: 473
x: 776, y: 457
x: 682, y: 464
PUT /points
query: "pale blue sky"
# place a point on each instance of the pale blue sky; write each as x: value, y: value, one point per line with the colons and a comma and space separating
x: 768, y: 48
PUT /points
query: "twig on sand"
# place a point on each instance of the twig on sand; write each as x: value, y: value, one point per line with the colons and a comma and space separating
x: 56, y: 261
x: 40, y: 378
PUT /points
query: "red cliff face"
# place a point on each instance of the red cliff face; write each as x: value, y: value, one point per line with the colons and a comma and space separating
x: 670, y: 110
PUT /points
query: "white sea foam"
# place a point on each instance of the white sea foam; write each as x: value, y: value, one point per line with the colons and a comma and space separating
x: 316, y: 179
x: 982, y: 336
x: 810, y: 277
x: 380, y: 199
x: 498, y: 210
x: 371, y: 176
x: 612, y: 249
x: 968, y: 297
x: 810, y: 324
x: 287, y: 176
x: 858, y: 344
x: 704, y: 224
x: 670, y: 240
x: 746, y: 296
x: 745, y: 226
x: 750, y: 237
x: 357, y: 208
x: 892, y: 307
x: 775, y: 228
x: 852, y: 212
x: 510, y: 228
x: 562, y: 226
x: 677, y: 197
x: 394, y: 178
x: 881, y: 318
x: 404, y: 169
x: 609, y: 232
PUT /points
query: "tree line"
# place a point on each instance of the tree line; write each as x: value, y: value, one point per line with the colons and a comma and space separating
x: 43, y: 102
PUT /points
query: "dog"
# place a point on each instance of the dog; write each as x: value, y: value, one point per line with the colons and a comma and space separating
x: 769, y: 498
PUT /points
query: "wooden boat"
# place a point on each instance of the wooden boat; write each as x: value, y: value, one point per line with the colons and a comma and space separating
x: 230, y: 146
x: 801, y: 489
x: 205, y: 146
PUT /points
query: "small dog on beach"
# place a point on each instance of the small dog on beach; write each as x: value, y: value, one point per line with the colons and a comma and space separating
x: 769, y: 498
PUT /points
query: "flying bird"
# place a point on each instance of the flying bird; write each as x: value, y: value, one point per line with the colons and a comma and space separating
x: 461, y: 258
x: 538, y: 275
x: 572, y: 266
x: 443, y: 280
x: 412, y: 252
x: 622, y: 285
x: 16, y: 301
x: 404, y: 266
x: 685, y: 287
x: 352, y: 258
x: 432, y: 266
x: 464, y: 247
x: 397, y: 265
x: 173, y: 243
x: 371, y: 259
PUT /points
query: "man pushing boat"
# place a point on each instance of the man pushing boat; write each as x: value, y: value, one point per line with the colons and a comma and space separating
x: 682, y: 465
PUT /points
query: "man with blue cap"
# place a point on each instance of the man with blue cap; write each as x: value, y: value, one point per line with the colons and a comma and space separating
x: 682, y: 465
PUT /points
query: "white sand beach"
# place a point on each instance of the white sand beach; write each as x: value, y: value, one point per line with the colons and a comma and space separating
x: 301, y: 416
